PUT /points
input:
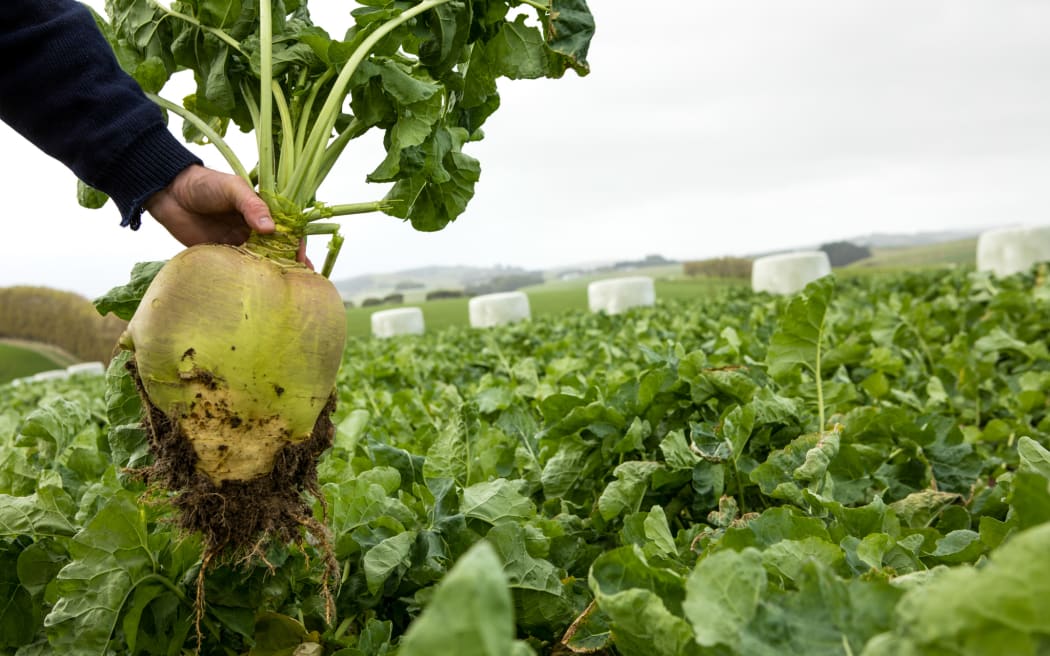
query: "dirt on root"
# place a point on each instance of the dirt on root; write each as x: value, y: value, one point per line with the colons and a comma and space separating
x: 239, y: 519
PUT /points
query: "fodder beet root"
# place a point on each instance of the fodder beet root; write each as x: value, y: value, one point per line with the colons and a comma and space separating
x: 236, y: 358
x: 240, y: 353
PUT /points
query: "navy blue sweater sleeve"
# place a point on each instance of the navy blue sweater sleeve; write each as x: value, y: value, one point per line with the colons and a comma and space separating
x: 61, y: 88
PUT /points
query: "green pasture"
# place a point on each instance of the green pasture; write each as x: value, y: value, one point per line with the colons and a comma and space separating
x: 960, y: 252
x: 557, y: 296
x: 17, y: 361
x: 551, y: 298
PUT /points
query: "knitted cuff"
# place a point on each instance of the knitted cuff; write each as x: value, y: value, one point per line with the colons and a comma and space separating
x: 145, y: 167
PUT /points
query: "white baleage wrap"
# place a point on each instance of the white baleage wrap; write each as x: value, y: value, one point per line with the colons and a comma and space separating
x: 53, y: 374
x: 400, y: 321
x: 87, y: 369
x: 498, y: 309
x: 1006, y: 251
x: 616, y: 295
x: 788, y: 273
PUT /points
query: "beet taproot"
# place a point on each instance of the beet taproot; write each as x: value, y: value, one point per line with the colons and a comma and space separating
x: 241, y: 352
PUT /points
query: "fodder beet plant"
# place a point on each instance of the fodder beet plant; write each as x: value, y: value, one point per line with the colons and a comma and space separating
x: 236, y: 349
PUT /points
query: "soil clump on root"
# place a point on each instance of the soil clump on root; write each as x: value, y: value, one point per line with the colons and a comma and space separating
x: 238, y: 519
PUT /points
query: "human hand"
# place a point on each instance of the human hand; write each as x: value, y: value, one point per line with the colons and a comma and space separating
x: 205, y: 206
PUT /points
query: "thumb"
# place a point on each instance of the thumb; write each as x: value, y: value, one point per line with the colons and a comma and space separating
x: 254, y: 210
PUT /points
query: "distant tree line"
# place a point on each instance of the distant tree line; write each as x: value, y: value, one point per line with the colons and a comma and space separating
x: 439, y: 294
x: 62, y: 319
x: 398, y: 298
x: 505, y: 283
x: 390, y: 299
x: 841, y: 253
x: 647, y: 261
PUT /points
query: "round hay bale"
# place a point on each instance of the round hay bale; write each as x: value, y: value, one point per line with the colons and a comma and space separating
x: 498, y: 309
x: 616, y: 295
x: 1006, y: 251
x: 54, y: 374
x: 400, y: 321
x: 87, y: 369
x: 788, y: 273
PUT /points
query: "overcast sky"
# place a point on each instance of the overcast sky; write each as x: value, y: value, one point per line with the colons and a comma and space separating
x: 705, y: 128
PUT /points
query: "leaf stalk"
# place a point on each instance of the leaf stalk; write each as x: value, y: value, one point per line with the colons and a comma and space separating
x: 346, y: 210
x: 542, y: 6
x: 264, y: 129
x: 306, y: 178
x: 220, y: 34
x: 213, y: 136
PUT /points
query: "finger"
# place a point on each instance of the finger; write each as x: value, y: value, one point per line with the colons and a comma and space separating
x: 244, y: 199
x: 300, y: 255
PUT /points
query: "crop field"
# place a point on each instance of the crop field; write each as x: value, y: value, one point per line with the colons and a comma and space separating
x: 860, y: 469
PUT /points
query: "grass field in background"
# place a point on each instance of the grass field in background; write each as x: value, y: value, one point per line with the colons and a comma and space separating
x: 557, y: 296
x: 961, y: 252
x: 18, y: 360
x: 552, y: 298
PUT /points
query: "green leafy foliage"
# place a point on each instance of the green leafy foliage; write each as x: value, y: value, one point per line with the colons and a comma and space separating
x: 123, y: 300
x: 630, y: 484
x: 1000, y: 608
x: 470, y: 613
x: 90, y: 197
x: 798, y: 342
x: 424, y: 73
x: 109, y: 558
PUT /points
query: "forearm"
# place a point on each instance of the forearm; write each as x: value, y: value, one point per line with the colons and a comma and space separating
x: 64, y: 91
